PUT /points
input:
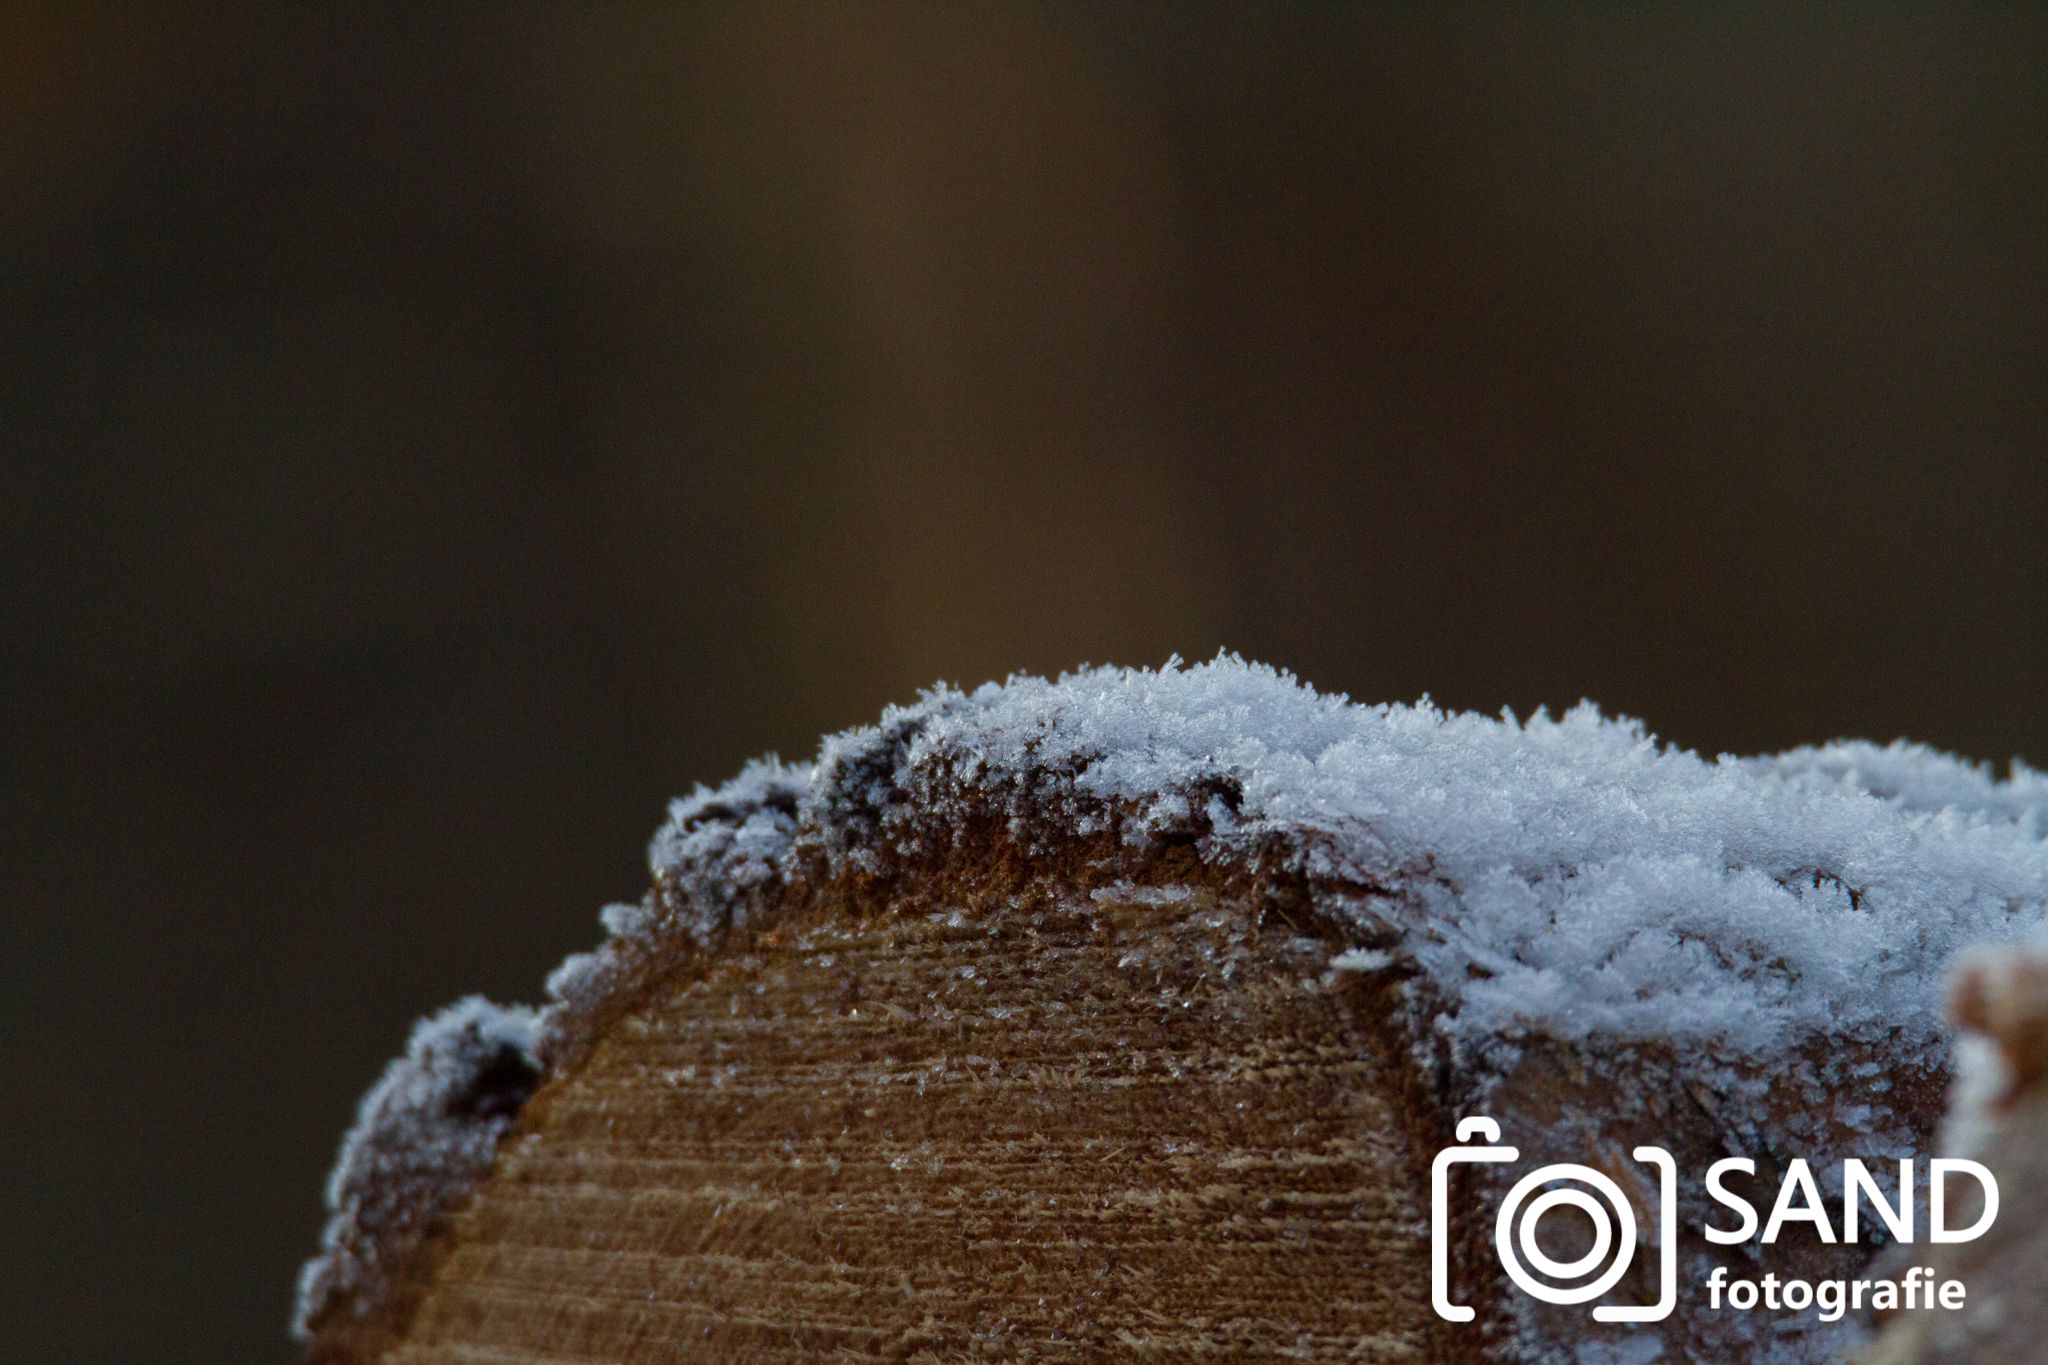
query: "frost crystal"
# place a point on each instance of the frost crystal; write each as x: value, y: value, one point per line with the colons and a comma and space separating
x: 423, y: 1135
x: 1567, y: 876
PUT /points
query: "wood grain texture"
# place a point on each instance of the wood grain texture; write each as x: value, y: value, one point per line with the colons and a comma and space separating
x: 1067, y: 1131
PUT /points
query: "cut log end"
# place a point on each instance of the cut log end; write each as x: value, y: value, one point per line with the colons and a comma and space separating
x: 922, y: 1128
x: 1126, y: 1016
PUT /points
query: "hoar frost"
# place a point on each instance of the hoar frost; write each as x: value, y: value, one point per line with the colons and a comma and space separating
x: 1567, y: 877
x: 423, y: 1135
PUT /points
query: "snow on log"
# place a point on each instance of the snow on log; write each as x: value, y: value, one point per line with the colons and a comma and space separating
x: 1126, y: 1013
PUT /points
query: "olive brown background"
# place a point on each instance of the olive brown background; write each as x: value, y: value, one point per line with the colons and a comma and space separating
x: 436, y: 436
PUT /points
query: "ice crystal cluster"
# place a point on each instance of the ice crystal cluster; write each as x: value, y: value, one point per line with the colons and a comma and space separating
x: 423, y: 1136
x: 1565, y: 877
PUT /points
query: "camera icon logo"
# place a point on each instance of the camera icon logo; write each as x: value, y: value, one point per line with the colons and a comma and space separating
x: 1582, y: 1279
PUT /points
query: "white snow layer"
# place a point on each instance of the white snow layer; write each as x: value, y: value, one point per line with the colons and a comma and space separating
x: 1565, y: 877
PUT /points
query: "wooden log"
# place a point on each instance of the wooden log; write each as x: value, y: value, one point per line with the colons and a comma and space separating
x: 1999, y: 1118
x: 1127, y: 1015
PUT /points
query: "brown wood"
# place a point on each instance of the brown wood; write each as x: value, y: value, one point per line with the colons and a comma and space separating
x: 983, y: 1114
x: 2000, y: 1119
x: 1066, y: 1131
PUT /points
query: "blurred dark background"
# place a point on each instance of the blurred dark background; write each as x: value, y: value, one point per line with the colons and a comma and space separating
x: 436, y: 437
